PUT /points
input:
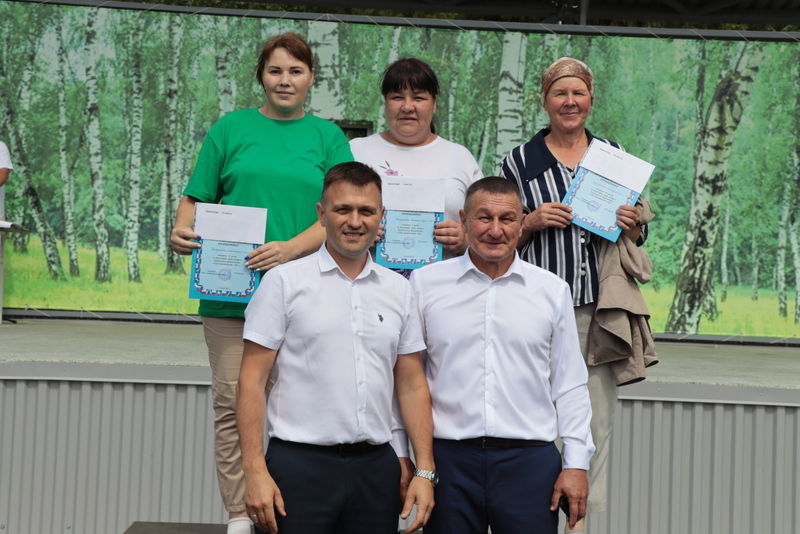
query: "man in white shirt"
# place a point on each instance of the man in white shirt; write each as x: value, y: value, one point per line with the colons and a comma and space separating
x: 342, y: 335
x: 506, y: 377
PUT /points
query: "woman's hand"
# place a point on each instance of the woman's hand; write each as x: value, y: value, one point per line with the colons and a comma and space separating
x: 451, y: 236
x: 628, y: 220
x: 181, y: 239
x: 380, y: 234
x: 548, y: 215
x: 182, y: 232
x: 270, y: 255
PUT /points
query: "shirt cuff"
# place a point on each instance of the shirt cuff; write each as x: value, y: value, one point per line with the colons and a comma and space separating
x: 576, y: 455
x: 400, y: 443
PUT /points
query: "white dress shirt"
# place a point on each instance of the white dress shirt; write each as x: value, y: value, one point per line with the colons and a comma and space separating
x: 503, y: 358
x: 337, y: 341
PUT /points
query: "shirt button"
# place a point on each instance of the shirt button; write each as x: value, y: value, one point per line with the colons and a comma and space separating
x: 583, y: 240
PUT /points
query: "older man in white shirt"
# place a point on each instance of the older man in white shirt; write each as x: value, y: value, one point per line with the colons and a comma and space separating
x: 343, y: 335
x: 506, y: 377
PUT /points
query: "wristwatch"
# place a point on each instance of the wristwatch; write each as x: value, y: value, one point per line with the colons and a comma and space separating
x: 432, y: 476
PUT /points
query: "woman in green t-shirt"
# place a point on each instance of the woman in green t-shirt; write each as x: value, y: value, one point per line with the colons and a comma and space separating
x: 272, y: 157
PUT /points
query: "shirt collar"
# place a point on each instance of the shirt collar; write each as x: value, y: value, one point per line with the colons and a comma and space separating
x: 327, y: 263
x: 465, y: 266
x: 539, y: 156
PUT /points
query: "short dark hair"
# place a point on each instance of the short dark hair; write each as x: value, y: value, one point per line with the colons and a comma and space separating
x: 351, y: 172
x: 293, y: 43
x: 494, y: 185
x: 409, y: 73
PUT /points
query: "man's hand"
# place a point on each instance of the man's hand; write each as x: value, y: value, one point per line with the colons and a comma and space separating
x: 406, y: 475
x: 270, y: 255
x: 574, y: 485
x: 547, y: 215
x: 420, y: 492
x: 262, y: 498
x: 451, y: 235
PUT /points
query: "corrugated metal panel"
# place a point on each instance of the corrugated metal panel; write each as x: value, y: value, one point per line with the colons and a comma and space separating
x: 687, y: 467
x: 92, y: 457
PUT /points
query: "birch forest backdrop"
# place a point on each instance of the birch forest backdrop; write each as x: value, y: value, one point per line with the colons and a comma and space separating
x: 104, y: 111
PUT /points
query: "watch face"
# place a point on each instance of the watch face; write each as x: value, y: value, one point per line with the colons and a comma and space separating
x: 435, y: 479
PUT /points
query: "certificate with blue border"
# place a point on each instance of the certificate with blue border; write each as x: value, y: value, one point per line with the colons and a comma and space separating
x: 219, y: 272
x: 594, y: 202
x: 227, y: 235
x: 408, y: 239
x: 606, y: 178
x: 413, y: 208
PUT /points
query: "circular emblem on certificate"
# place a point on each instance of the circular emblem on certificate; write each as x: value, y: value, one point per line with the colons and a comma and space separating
x: 593, y: 205
x: 409, y: 242
x: 224, y: 274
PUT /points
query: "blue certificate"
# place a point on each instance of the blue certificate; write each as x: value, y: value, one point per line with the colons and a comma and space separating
x: 606, y: 178
x: 408, y: 241
x: 219, y: 273
x: 594, y: 202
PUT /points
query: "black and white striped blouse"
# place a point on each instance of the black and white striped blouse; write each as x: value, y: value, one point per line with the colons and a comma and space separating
x: 572, y: 252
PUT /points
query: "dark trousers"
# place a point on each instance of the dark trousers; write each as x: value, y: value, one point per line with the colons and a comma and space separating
x: 507, y: 489
x: 327, y: 491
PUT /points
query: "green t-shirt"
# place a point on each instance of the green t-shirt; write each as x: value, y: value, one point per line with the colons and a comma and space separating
x: 248, y: 159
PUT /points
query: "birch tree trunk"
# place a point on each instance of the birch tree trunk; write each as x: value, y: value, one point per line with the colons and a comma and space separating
x: 135, y: 105
x: 226, y: 82
x: 394, y: 53
x: 723, y: 116
x: 699, y: 97
x: 509, y: 99
x: 539, y: 117
x: 484, y: 148
x: 794, y: 243
x: 17, y: 116
x: 67, y: 177
x: 787, y: 197
x: 794, y: 225
x: 172, y: 151
x: 325, y: 98
x: 755, y: 264
x: 102, y: 272
x: 723, y: 259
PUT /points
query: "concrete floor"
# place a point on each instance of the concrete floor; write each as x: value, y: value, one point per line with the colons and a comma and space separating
x: 130, y: 344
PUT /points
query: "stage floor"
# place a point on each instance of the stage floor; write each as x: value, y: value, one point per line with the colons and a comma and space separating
x: 132, y: 346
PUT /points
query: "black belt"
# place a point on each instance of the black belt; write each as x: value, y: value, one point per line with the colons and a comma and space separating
x: 361, y: 447
x: 487, y: 442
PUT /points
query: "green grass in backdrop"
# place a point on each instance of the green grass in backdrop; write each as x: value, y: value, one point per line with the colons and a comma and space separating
x: 27, y: 285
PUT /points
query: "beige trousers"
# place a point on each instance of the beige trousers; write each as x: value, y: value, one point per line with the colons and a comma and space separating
x: 224, y: 339
x: 603, y: 396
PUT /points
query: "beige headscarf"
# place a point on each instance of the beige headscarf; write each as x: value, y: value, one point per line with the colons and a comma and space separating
x: 565, y: 67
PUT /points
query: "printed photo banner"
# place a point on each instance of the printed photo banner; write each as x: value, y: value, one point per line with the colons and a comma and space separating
x: 104, y: 111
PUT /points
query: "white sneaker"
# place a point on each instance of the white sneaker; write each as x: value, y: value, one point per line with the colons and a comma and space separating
x: 240, y: 525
